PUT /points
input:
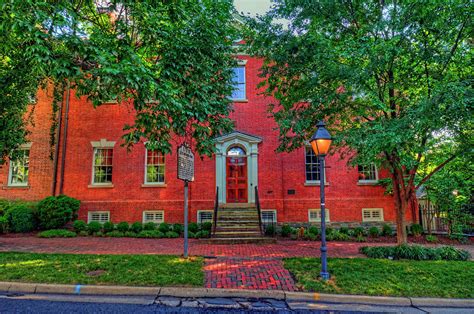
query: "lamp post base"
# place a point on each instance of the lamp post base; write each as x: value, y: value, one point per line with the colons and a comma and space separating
x: 324, y: 275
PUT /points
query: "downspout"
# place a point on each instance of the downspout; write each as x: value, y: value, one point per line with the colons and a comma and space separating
x: 56, y: 150
x: 63, y: 155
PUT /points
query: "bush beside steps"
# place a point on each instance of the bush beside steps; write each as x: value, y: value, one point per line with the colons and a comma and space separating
x: 416, y: 252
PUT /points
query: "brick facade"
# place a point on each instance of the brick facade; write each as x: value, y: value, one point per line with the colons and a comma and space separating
x: 128, y: 198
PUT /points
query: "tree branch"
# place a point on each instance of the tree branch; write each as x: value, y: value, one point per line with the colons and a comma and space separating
x: 439, y: 167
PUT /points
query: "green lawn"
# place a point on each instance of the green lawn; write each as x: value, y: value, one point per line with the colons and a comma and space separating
x: 447, y: 279
x: 142, y: 270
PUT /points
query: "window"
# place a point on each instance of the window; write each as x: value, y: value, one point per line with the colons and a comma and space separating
x: 205, y: 216
x: 101, y: 216
x: 19, y: 169
x: 154, y: 167
x: 269, y: 216
x: 156, y: 216
x: 372, y: 214
x: 314, y: 215
x: 238, y: 82
x: 312, y: 166
x: 367, y: 173
x: 102, y: 167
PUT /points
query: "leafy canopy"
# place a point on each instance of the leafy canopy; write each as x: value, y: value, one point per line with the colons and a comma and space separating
x: 171, y: 59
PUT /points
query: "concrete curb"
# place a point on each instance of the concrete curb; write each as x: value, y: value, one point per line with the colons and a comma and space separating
x: 181, y: 292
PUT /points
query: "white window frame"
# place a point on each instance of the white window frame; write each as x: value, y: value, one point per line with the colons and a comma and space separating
x: 24, y: 147
x: 312, y: 182
x: 199, y: 219
x: 145, y: 182
x: 372, y: 219
x: 241, y: 64
x: 102, y: 144
x: 270, y: 211
x: 318, y: 211
x: 162, y: 212
x: 100, y: 212
x: 370, y: 180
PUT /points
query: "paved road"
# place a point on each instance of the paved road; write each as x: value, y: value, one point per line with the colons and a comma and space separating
x: 120, y: 304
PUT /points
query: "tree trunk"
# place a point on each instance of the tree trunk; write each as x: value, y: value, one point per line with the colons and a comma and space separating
x: 401, y: 205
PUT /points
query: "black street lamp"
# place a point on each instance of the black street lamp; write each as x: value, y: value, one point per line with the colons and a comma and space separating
x: 320, y: 143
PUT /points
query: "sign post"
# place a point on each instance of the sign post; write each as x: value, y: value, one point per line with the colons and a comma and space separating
x: 185, y: 173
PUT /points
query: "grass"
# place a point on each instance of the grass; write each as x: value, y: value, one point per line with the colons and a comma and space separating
x: 140, y: 270
x: 447, y: 279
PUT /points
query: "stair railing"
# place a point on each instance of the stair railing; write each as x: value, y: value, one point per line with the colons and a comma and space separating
x: 216, y: 209
x: 257, y: 203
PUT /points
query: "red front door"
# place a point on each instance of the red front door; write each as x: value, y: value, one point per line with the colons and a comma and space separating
x: 237, y: 179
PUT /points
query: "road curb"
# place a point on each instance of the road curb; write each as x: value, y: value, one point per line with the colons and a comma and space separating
x: 182, y: 292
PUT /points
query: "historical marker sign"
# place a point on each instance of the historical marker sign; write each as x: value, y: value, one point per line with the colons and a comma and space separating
x: 185, y: 163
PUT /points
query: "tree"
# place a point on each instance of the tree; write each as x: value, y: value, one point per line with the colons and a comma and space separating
x: 171, y: 59
x: 393, y: 79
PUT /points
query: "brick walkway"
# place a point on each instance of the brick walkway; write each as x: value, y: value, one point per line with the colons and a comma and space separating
x: 254, y: 273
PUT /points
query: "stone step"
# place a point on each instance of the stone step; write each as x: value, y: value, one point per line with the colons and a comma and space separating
x: 239, y: 240
x: 237, y: 212
x: 237, y: 222
x: 236, y: 218
x: 237, y: 234
x: 238, y: 226
x: 237, y: 230
x: 237, y: 205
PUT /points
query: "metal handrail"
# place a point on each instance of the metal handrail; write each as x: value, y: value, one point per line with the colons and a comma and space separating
x: 257, y: 203
x: 216, y: 208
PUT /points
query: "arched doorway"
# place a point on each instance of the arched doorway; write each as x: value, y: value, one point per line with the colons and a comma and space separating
x: 236, y: 175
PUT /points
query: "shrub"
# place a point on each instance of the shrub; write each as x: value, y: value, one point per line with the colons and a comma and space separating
x: 57, y: 233
x: 21, y: 218
x: 108, y: 227
x: 164, y: 227
x: 115, y: 234
x: 193, y: 227
x: 79, y: 225
x: 179, y: 228
x: 311, y: 236
x: 360, y: 238
x: 416, y: 229
x: 344, y: 230
x: 270, y: 230
x: 150, y: 234
x: 202, y: 234
x: 3, y: 224
x: 387, y: 230
x: 416, y: 252
x: 130, y: 234
x: 338, y: 236
x: 149, y: 226
x: 83, y: 234
x: 136, y: 227
x: 56, y: 211
x: 313, y: 230
x: 374, y: 232
x: 431, y: 238
x: 329, y: 231
x: 172, y: 234
x: 358, y: 232
x: 99, y: 234
x: 93, y: 227
x: 123, y: 226
x: 191, y: 234
x: 207, y: 226
x: 285, y: 230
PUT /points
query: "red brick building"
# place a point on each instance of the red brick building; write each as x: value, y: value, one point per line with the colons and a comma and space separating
x: 140, y: 185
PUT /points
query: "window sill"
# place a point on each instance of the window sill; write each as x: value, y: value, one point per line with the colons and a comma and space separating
x: 315, y: 184
x: 100, y: 186
x: 154, y: 185
x: 16, y: 187
x: 240, y: 100
x: 368, y: 182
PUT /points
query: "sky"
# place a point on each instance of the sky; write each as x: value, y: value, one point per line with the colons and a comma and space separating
x: 253, y: 7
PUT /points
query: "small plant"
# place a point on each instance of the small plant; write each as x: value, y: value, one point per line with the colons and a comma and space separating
x: 136, y: 227
x: 83, y: 233
x: 171, y: 234
x: 374, y: 232
x: 270, y: 230
x: 115, y: 234
x: 79, y: 226
x: 164, y: 227
x: 93, y: 227
x: 431, y: 238
x: 313, y: 230
x: 344, y: 230
x: 149, y: 226
x: 178, y: 228
x: 358, y: 232
x: 206, y: 226
x: 416, y: 230
x: 329, y: 231
x: 193, y: 227
x: 108, y: 227
x: 387, y: 230
x: 123, y: 226
x: 285, y: 231
x: 130, y: 234
x: 150, y: 234
x: 338, y: 236
x: 57, y: 233
x: 416, y: 252
x: 361, y: 238
x: 202, y: 234
x: 191, y: 235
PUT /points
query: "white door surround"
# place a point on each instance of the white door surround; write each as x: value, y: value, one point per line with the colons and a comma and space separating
x: 250, y: 144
